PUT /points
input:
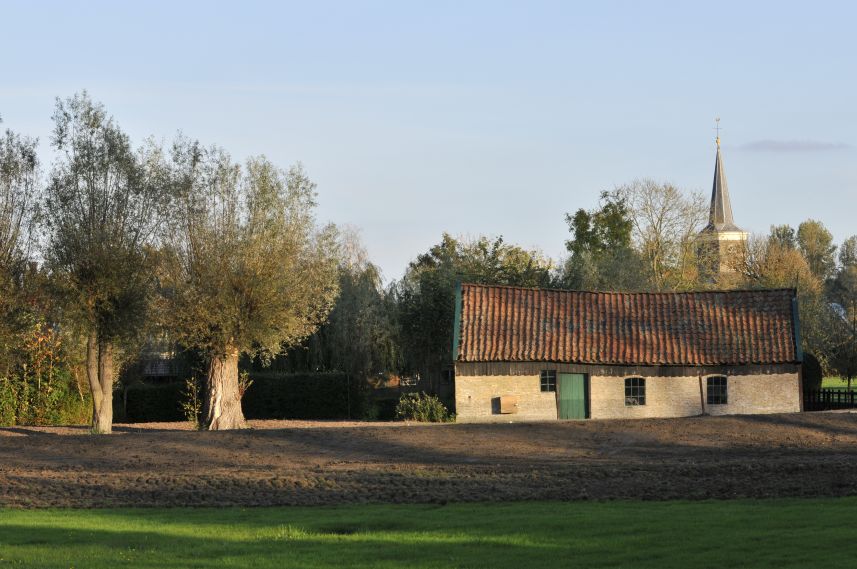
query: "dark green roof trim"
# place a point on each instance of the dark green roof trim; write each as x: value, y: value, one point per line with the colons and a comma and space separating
x: 796, y: 320
x: 456, y: 326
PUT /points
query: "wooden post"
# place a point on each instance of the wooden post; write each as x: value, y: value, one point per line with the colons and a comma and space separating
x: 801, y: 391
x: 701, y: 397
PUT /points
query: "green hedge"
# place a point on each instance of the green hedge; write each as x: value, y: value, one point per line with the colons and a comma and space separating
x: 154, y: 403
x: 270, y: 396
x: 300, y: 396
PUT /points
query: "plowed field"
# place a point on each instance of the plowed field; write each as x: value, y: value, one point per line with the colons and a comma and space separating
x: 305, y: 463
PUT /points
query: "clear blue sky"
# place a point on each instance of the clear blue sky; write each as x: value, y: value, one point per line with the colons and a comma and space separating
x: 416, y: 118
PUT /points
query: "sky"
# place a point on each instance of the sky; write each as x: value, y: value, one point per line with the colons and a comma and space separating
x: 495, y: 118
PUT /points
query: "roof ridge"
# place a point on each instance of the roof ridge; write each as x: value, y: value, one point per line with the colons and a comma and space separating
x: 630, y: 292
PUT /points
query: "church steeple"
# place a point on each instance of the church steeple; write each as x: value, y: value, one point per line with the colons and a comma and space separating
x: 720, y: 213
x: 720, y: 242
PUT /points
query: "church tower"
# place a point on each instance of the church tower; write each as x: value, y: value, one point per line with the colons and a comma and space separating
x: 721, y: 242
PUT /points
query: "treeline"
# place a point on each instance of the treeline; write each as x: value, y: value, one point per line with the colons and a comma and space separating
x: 116, y: 247
x: 641, y: 237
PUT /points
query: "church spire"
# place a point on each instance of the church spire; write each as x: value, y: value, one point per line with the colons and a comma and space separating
x: 720, y: 214
x: 720, y: 243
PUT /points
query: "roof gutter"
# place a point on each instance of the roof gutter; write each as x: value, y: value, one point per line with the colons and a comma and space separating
x: 796, y: 323
x: 456, y: 326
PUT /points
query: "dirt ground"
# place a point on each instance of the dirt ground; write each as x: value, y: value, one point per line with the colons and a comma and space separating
x: 306, y: 463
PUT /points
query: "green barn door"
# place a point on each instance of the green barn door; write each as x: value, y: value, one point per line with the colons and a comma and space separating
x: 572, y: 396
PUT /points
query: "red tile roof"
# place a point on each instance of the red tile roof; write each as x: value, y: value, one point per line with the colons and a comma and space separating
x: 500, y: 323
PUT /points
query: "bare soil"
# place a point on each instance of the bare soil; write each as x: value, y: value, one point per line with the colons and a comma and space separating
x: 307, y: 463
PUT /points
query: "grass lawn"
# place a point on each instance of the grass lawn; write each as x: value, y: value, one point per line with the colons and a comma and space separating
x: 775, y: 533
x: 835, y: 381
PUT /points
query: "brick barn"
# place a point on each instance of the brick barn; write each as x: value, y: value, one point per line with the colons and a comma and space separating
x: 535, y: 354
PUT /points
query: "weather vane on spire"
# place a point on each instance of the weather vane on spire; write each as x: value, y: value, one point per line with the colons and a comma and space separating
x: 717, y: 128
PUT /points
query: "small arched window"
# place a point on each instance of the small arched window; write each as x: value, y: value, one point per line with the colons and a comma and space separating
x: 716, y: 390
x: 635, y: 391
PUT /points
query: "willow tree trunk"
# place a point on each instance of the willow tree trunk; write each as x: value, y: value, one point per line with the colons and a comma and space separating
x: 99, y: 372
x: 223, y: 400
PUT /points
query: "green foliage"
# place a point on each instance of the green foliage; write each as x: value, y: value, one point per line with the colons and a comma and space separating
x: 816, y: 244
x: 784, y: 236
x: 642, y: 236
x: 602, y: 257
x: 811, y: 372
x: 601, y: 231
x: 192, y: 402
x: 8, y: 402
x: 360, y: 336
x: 244, y: 383
x: 425, y: 295
x: 423, y: 408
x: 19, y: 191
x: 41, y: 389
x: 843, y: 292
x: 19, y: 168
x: 848, y: 252
x: 56, y: 401
x: 102, y: 207
x: 767, y: 263
x: 246, y: 267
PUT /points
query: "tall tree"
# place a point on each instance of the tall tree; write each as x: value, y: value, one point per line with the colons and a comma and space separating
x: 766, y: 263
x: 784, y: 236
x: 19, y: 168
x: 816, y: 244
x: 102, y: 206
x: 666, y: 222
x: 602, y: 257
x: 843, y: 292
x: 848, y: 252
x: 602, y: 230
x: 247, y: 270
x: 360, y: 336
x: 426, y: 293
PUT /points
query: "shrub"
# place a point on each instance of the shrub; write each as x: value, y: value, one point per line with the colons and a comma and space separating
x: 54, y: 400
x: 422, y: 407
x: 40, y: 388
x: 192, y: 402
x: 8, y: 403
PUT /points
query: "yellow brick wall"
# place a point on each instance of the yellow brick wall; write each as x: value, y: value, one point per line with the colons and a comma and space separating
x: 473, y: 395
x: 665, y: 397
x: 679, y: 396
